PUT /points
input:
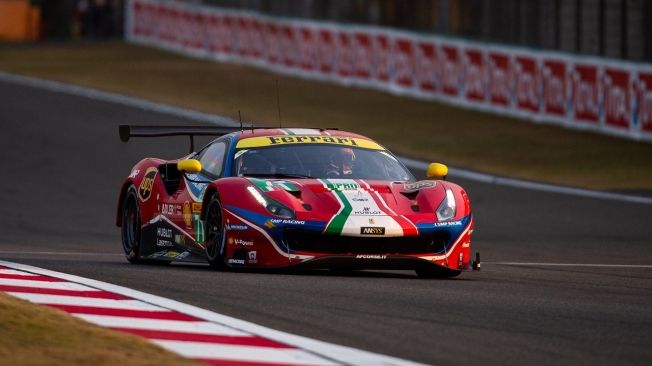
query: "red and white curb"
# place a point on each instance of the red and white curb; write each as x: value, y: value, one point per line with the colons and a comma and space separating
x: 187, y: 330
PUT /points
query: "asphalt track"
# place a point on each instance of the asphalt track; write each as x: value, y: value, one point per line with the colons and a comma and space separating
x: 62, y: 164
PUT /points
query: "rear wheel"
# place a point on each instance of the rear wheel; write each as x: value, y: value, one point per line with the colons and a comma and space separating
x: 131, y: 226
x: 215, y: 234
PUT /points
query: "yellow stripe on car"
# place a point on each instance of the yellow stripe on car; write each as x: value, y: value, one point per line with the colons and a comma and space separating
x: 307, y: 139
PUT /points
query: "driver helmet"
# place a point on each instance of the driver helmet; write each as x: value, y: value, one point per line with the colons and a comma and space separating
x: 343, y: 161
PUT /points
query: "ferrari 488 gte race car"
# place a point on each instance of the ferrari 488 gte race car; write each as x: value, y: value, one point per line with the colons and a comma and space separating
x: 303, y: 198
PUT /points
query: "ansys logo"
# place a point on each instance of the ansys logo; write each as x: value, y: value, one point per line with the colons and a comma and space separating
x: 366, y: 230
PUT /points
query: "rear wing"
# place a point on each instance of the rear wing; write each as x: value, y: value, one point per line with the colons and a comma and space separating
x: 129, y: 131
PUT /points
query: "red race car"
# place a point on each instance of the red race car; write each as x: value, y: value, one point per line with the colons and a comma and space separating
x: 293, y: 197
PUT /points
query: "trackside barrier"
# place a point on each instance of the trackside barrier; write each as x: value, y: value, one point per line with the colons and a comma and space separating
x: 607, y: 96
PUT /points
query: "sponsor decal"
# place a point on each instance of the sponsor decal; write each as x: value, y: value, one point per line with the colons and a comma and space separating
x: 359, y: 199
x: 451, y: 69
x: 244, y: 243
x: 170, y: 209
x: 368, y: 211
x: 134, y: 173
x: 269, y: 224
x: 643, y: 99
x: 371, y: 256
x: 554, y: 86
x: 343, y: 186
x: 371, y: 230
x: 236, y: 227
x: 196, y: 207
x: 426, y: 71
x: 500, y: 79
x: 448, y: 223
x: 527, y: 83
x: 198, y: 226
x: 164, y: 237
x: 164, y: 232
x: 195, y: 189
x: 617, y: 98
x: 252, y: 257
x: 187, y: 214
x: 146, y: 185
x: 371, y: 221
x: 180, y: 239
x: 287, y: 222
x: 404, y: 62
x: 419, y: 185
x: 171, y: 254
x: 475, y: 77
x: 466, y: 244
x: 235, y: 261
x: 586, y: 93
x: 270, y: 185
x: 307, y: 139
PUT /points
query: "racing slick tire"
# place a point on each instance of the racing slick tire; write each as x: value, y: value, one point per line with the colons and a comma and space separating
x: 215, y: 234
x: 131, y: 226
x: 436, y: 272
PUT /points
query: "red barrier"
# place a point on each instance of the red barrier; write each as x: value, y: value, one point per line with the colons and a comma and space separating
x: 581, y: 92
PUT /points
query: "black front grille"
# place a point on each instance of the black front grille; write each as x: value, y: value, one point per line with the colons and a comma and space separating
x: 299, y: 241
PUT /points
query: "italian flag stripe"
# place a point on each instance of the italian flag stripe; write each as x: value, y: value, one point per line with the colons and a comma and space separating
x: 336, y: 224
x: 408, y: 227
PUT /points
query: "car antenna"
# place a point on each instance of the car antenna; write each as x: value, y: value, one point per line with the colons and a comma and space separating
x: 240, y: 118
x: 278, y: 105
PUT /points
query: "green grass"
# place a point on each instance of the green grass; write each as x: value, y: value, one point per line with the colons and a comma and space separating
x: 38, y: 335
x: 427, y: 130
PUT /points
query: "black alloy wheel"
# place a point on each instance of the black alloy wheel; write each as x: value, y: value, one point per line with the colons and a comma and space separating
x: 215, y: 235
x: 131, y: 226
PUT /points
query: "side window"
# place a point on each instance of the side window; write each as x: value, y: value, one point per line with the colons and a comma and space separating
x: 212, y: 159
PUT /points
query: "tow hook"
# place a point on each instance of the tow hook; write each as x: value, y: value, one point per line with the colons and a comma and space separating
x: 476, y: 262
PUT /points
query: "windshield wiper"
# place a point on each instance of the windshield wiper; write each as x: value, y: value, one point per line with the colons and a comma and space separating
x: 278, y: 175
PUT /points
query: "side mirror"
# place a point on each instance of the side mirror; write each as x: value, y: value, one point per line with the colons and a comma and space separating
x: 437, y: 171
x: 189, y: 166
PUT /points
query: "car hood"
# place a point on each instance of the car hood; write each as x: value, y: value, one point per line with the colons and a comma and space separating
x: 357, y: 206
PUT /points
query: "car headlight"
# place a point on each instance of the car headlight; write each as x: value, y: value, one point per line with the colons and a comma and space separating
x: 272, y: 206
x: 446, y: 210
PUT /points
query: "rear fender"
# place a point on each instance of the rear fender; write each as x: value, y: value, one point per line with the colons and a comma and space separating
x: 136, y: 178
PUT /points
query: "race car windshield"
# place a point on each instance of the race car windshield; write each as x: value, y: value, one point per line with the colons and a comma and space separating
x: 319, y: 161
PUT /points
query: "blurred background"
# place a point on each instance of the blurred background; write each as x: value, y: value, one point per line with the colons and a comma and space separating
x: 619, y: 29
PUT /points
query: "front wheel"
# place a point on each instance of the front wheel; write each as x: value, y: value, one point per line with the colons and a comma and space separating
x: 215, y: 235
x: 131, y: 226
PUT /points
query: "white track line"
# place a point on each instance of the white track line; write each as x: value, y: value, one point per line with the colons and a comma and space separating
x: 199, y: 327
x: 86, y: 301
x: 147, y: 105
x: 571, y: 264
x: 116, y: 98
x: 238, y: 353
x: 45, y: 284
x: 313, y: 347
x: 14, y: 272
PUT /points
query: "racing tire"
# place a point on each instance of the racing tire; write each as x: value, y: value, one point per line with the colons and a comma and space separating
x: 215, y: 234
x: 131, y: 226
x: 436, y: 272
